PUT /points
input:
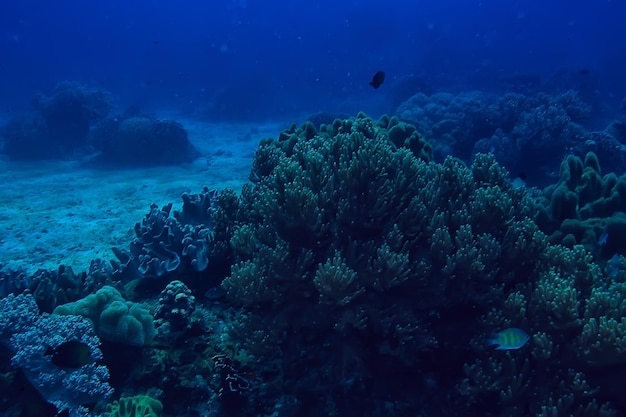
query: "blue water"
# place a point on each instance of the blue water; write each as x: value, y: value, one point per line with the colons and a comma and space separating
x: 362, y: 270
x: 285, y: 57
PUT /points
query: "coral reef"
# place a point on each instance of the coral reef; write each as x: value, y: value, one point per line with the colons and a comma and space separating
x: 608, y: 145
x: 325, y: 118
x: 574, y: 311
x: 359, y: 277
x: 354, y: 240
x: 368, y: 266
x: 73, y: 121
x: 512, y: 126
x: 51, y: 288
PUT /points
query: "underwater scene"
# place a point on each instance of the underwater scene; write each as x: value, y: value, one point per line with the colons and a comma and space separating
x: 283, y: 208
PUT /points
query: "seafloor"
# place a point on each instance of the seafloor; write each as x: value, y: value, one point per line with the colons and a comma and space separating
x: 61, y: 213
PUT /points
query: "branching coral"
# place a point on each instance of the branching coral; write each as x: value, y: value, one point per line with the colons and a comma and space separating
x: 336, y: 283
x: 350, y: 235
x: 28, y: 334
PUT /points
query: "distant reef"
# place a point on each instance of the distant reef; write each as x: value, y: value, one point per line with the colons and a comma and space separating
x: 76, y: 120
x: 136, y: 140
x: 528, y: 133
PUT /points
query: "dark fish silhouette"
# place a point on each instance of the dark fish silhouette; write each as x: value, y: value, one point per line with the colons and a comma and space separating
x: 72, y: 354
x: 378, y: 79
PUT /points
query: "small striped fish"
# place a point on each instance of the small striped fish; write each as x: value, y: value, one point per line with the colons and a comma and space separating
x: 508, y: 339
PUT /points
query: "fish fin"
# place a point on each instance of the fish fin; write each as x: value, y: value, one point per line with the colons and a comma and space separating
x: 493, y: 340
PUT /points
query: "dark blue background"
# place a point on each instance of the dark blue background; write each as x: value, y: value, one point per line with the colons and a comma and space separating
x: 280, y: 57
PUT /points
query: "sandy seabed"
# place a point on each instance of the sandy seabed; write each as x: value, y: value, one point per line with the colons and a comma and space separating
x: 55, y: 213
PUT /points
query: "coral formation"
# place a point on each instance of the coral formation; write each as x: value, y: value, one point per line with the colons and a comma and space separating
x: 114, y: 318
x: 513, y: 126
x: 176, y: 306
x: 191, y: 245
x: 141, y: 141
x: 608, y: 145
x: 28, y: 334
x: 72, y: 122
x: 574, y: 311
x: 352, y: 237
x: 61, y: 124
x: 51, y: 288
x: 351, y: 252
x: 135, y: 406
x: 362, y: 278
x: 586, y: 208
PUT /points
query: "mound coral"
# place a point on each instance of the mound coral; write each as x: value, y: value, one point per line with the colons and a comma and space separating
x: 515, y: 127
x: 141, y: 141
x: 60, y: 126
x: 114, y: 318
x: 583, y: 206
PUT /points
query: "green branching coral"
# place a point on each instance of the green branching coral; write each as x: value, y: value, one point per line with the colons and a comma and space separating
x: 353, y: 249
x: 574, y: 311
x: 351, y: 235
x: 248, y: 284
x: 555, y: 302
x: 359, y: 194
x: 336, y: 283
